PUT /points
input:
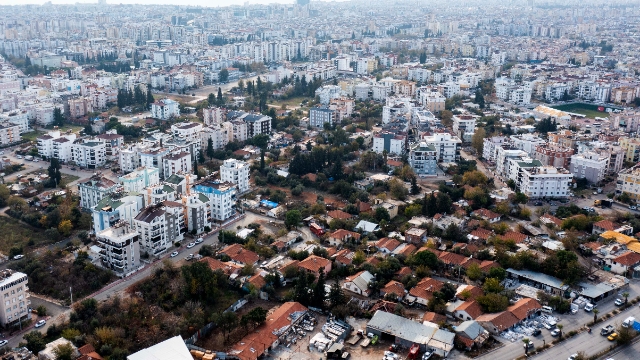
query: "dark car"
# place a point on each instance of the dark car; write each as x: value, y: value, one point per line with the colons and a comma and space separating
x: 536, y: 332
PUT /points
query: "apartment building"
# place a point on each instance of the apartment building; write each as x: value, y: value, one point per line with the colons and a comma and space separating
x: 17, y: 117
x: 120, y: 246
x: 220, y: 134
x: 542, y: 181
x: 390, y: 142
x: 15, y: 298
x: 116, y: 207
x: 188, y: 132
x: 318, y: 116
x: 153, y: 157
x: 165, y: 109
x: 464, y: 126
x: 90, y: 154
x: 9, y: 133
x: 94, y: 189
x: 527, y: 142
x: 490, y: 147
x: 56, y: 145
x: 112, y: 142
x: 423, y: 159
x: 590, y: 165
x: 433, y: 100
x: 631, y: 147
x: 236, y: 172
x: 222, y: 198
x: 257, y: 124
x: 559, y: 157
x: 628, y: 120
x: 629, y: 182
x: 159, y: 229
x: 213, y: 115
x: 176, y: 164
x: 447, y: 146
x: 139, y: 179
x: 198, y: 212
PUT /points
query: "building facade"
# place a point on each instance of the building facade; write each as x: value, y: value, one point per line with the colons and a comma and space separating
x: 120, y: 248
x: 422, y: 159
x: 15, y: 298
x: 236, y: 172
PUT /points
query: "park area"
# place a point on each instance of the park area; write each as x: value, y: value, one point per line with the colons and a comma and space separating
x: 589, y: 110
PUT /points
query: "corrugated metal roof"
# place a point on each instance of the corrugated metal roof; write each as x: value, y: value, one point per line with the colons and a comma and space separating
x: 401, y: 327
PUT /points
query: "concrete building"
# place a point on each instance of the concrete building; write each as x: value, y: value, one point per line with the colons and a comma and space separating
x: 527, y: 142
x: 198, y: 212
x: 464, y: 126
x: 446, y: 145
x: 188, y: 132
x: 631, y: 147
x: 15, y: 300
x: 629, y: 182
x: 213, y: 115
x: 220, y: 134
x: 9, y: 133
x: 222, y: 198
x: 490, y: 147
x: 236, y: 172
x: 257, y: 124
x: 112, y: 142
x: 139, y: 179
x: 165, y: 109
x: 120, y: 248
x: 590, y: 165
x: 555, y: 156
x: 541, y: 181
x: 423, y: 159
x: 318, y: 116
x: 90, y: 154
x: 56, y: 145
x: 94, y: 189
x: 114, y: 208
x: 178, y: 163
x: 390, y: 142
x: 159, y: 229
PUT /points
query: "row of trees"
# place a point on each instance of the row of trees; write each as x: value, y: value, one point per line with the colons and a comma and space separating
x: 127, y: 97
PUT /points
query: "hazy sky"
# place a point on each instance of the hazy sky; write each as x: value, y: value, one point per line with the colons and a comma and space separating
x: 210, y: 3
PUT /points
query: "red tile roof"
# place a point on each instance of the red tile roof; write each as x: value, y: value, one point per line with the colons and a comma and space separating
x: 502, y: 320
x: 425, y: 288
x: 552, y: 219
x: 627, y: 259
x: 515, y: 236
x: 405, y: 270
x: 227, y: 267
x: 313, y: 263
x: 524, y: 307
x: 257, y: 281
x: 605, y: 225
x: 487, y: 265
x: 339, y: 214
x: 481, y: 233
x: 343, y: 234
x: 239, y: 254
x: 485, y: 214
x: 434, y: 317
x: 473, y: 291
x: 471, y: 307
x: 393, y: 287
x: 450, y: 258
x: 389, y: 244
x: 407, y: 250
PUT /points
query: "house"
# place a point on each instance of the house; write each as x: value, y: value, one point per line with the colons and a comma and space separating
x: 466, y: 292
x: 88, y: 352
x: 602, y: 226
x: 359, y: 283
x: 367, y: 227
x: 480, y: 234
x: 452, y: 259
x: 405, y: 250
x: 416, y: 235
x: 48, y: 353
x: 393, y: 288
x: 392, y: 209
x: 228, y: 268
x: 433, y: 317
x: 471, y: 334
x: 550, y: 220
x: 387, y: 245
x: 401, y: 330
x: 423, y: 291
x: 622, y: 263
x: 524, y: 308
x: 497, y: 322
x: 314, y: 263
x: 344, y: 257
x: 514, y: 236
x: 240, y: 255
x: 487, y: 215
x: 339, y: 237
x: 468, y: 310
x: 338, y: 215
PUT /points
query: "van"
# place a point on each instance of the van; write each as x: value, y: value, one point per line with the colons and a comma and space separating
x: 547, y: 309
x: 628, y: 322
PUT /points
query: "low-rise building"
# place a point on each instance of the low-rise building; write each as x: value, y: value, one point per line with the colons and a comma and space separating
x: 359, y: 283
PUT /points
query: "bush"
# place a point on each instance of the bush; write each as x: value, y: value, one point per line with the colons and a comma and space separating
x: 177, y: 244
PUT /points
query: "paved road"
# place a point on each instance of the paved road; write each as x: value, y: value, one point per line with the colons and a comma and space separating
x: 628, y: 352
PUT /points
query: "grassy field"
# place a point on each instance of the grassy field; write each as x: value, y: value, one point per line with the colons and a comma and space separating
x: 32, y: 135
x: 589, y: 110
x: 66, y: 179
x: 18, y: 235
x: 291, y: 103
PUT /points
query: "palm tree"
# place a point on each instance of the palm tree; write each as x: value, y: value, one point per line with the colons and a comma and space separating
x: 626, y: 296
x: 526, y: 342
x: 560, y: 326
x: 595, y: 315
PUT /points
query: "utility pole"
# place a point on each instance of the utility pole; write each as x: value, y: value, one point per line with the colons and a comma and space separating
x: 71, y: 292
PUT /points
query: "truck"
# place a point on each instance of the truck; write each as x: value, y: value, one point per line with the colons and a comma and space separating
x: 28, y: 157
x: 365, y: 342
x: 603, y: 203
x: 628, y: 322
x: 606, y: 330
x: 354, y: 339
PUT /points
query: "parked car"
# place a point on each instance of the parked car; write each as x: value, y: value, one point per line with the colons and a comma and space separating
x: 573, y: 357
x: 536, y: 332
x: 199, y: 240
x: 589, y: 307
x: 190, y: 245
x: 619, y: 302
x: 189, y: 257
x: 555, y: 332
x: 427, y: 354
x: 73, y: 169
x: 40, y: 323
x: 174, y: 254
x: 528, y: 345
x: 3, y: 343
x: 613, y: 336
x: 18, y: 257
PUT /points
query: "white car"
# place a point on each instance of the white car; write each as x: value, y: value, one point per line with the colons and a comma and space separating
x: 40, y: 323
x: 547, y: 326
x: 3, y: 343
x: 199, y: 240
x: 174, y: 254
x: 588, y: 307
x: 18, y: 257
x: 555, y: 332
x: 18, y: 156
x: 619, y: 302
x: 190, y: 245
x: 189, y: 257
x: 573, y: 357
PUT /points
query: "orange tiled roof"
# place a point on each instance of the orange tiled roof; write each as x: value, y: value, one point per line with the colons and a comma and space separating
x: 342, y: 234
x: 481, y: 233
x: 523, y: 307
x: 226, y: 267
x: 434, y: 317
x: 473, y: 290
x: 405, y: 270
x: 339, y: 214
x: 313, y: 263
x: 486, y: 214
x: 237, y: 253
x: 605, y: 225
x: 393, y: 287
x: 450, y: 258
x: 502, y: 320
x: 515, y: 236
x: 627, y: 259
x: 387, y: 243
x: 471, y: 307
x: 425, y: 288
x: 407, y: 250
x: 487, y: 265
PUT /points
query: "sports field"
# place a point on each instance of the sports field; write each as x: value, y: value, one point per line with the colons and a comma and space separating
x: 589, y: 110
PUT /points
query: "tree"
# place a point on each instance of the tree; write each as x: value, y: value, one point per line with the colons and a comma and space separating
x: 150, y: 99
x: 65, y: 227
x: 35, y: 341
x: 415, y: 189
x: 447, y: 117
x: 626, y: 296
x: 474, y: 272
x: 54, y: 171
x: 625, y: 334
x: 477, y: 140
x: 382, y: 214
x: 560, y: 326
x: 526, y: 342
x: 319, y: 291
x: 211, y: 99
x: 63, y: 352
x: 241, y: 85
x: 223, y: 75
x: 210, y: 151
x: 336, y: 295
x: 58, y: 118
x: 397, y: 189
x: 479, y: 99
x: 201, y: 156
x: 292, y: 218
x: 425, y: 258
x: 228, y: 321
x: 492, y: 285
x: 220, y: 97
x: 493, y: 303
x: 595, y: 315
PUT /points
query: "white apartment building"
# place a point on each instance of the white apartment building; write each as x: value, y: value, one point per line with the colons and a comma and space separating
x: 19, y: 118
x: 165, y: 109
x: 329, y: 92
x: 55, y: 145
x: 432, y: 100
x: 44, y: 113
x: 153, y: 157
x: 628, y: 120
x: 543, y: 182
x: 503, y: 155
x: 222, y: 198
x: 235, y: 172
x: 527, y: 142
x: 120, y: 248
x: 115, y: 207
x: 188, y: 132
x: 94, y: 190
x: 139, y: 179
x: 178, y: 163
x: 112, y: 142
x: 447, y: 146
x: 422, y: 158
x: 590, y: 165
x: 464, y: 126
x: 15, y: 298
x: 220, y: 134
x: 490, y: 147
x: 318, y: 116
x: 198, y: 212
x: 159, y: 229
x: 239, y: 129
x: 508, y: 90
x: 9, y: 133
x: 389, y: 142
x: 449, y: 89
x: 556, y: 91
x: 213, y: 115
x: 90, y: 155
